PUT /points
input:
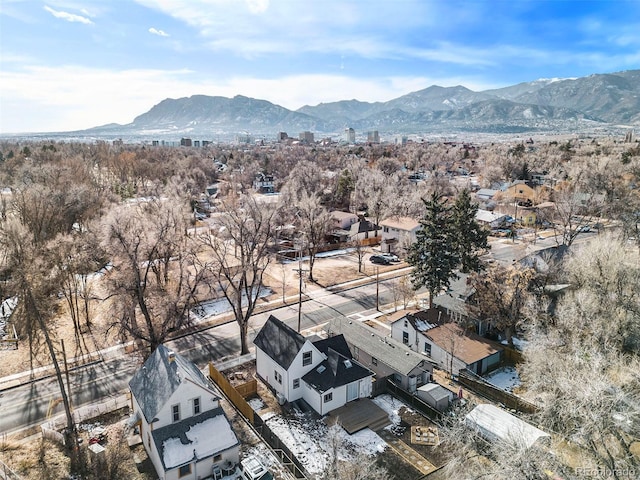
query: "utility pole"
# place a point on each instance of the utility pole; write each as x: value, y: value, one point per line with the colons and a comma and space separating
x: 377, y: 288
x: 66, y: 372
x: 300, y: 273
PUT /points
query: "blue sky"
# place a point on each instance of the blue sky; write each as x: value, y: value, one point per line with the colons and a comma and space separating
x: 71, y: 64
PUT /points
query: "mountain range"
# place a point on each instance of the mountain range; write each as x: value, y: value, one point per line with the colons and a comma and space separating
x: 546, y: 105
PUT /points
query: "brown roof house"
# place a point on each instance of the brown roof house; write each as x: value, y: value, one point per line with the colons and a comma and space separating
x: 449, y: 345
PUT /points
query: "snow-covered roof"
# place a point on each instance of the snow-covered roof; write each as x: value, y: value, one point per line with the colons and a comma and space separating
x: 488, y: 217
x: 194, y: 438
x: 495, y: 424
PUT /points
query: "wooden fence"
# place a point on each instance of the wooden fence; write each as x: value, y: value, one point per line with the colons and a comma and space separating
x: 287, y: 458
x: 235, y: 396
x: 413, y: 400
x: 512, y: 355
x: 480, y: 385
x: 232, y: 394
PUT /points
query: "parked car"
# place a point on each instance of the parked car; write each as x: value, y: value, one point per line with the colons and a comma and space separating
x: 391, y: 257
x: 253, y: 469
x: 380, y: 259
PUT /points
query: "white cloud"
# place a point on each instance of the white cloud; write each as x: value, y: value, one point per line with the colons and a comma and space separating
x: 257, y: 6
x: 160, y: 33
x: 69, y: 17
x: 71, y: 97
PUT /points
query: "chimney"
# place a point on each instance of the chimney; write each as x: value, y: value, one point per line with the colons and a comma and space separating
x: 172, y: 356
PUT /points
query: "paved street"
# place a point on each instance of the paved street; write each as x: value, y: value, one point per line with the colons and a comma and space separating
x: 28, y: 405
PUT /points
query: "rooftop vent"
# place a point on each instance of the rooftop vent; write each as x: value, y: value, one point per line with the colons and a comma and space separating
x: 171, y: 356
x: 347, y: 363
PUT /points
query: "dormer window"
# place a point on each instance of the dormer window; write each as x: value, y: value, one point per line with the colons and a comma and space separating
x: 307, y: 358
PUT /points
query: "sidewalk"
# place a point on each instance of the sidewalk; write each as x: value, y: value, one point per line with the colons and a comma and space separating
x: 313, y: 292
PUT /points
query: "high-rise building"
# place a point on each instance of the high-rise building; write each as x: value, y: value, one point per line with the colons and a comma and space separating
x: 306, y: 137
x: 373, y: 137
x: 349, y: 135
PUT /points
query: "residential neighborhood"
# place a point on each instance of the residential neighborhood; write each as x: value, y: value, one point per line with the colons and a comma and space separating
x: 325, y: 315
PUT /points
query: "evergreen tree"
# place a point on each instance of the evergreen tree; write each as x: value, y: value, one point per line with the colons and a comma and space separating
x: 469, y: 237
x: 433, y: 255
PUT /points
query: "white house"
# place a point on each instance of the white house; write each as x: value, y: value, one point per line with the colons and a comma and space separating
x: 490, y: 219
x: 398, y: 231
x: 343, y: 220
x: 323, y: 373
x: 176, y: 411
x: 448, y: 344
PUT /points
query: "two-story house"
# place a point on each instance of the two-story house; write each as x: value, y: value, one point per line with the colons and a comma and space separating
x: 448, y: 344
x: 397, y: 232
x: 323, y: 373
x: 177, y: 410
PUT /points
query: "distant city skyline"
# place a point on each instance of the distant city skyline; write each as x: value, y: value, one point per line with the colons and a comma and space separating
x: 70, y: 65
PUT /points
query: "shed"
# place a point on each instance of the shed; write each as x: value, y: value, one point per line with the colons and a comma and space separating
x: 495, y: 424
x: 435, y: 395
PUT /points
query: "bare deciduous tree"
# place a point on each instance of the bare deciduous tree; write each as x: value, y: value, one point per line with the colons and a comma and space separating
x: 155, y: 271
x: 239, y: 250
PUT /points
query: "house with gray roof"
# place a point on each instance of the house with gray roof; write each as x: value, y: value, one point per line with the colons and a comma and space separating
x: 385, y: 356
x: 322, y: 372
x: 176, y: 410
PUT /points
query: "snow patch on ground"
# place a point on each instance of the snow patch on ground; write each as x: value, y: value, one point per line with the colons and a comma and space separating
x: 256, y: 404
x: 517, y: 343
x: 506, y: 378
x: 392, y: 406
x: 205, y: 310
x: 311, y: 441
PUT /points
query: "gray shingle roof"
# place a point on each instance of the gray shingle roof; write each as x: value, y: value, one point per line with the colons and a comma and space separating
x: 385, y: 349
x: 154, y: 383
x: 279, y: 341
x: 335, y: 371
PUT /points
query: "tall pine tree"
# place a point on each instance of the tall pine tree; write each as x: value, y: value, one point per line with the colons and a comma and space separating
x: 433, y: 255
x: 470, y: 238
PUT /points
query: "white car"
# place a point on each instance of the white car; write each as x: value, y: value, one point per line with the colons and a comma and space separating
x: 253, y: 469
x: 391, y: 257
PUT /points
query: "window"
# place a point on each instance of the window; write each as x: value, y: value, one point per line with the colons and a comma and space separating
x: 374, y: 361
x: 185, y: 470
x: 306, y: 358
x: 385, y: 229
x: 405, y: 337
x: 296, y: 383
x: 406, y: 323
x: 328, y: 397
x: 175, y: 410
x: 397, y: 378
x: 196, y: 406
x: 217, y: 458
x: 427, y: 349
x: 277, y: 376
